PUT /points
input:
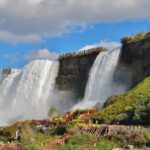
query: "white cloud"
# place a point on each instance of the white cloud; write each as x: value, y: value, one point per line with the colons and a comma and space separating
x: 41, y: 54
x: 54, y: 17
x: 13, y: 38
x: 106, y: 44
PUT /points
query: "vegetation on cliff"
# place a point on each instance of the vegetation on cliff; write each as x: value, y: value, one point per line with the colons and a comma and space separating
x: 82, y: 53
x: 132, y: 107
x: 135, y: 38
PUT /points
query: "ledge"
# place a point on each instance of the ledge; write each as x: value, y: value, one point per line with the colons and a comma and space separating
x: 82, y: 53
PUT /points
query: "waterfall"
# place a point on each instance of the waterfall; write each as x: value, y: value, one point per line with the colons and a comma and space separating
x: 100, y: 84
x: 26, y: 94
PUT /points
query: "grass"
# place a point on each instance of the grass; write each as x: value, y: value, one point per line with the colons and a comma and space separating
x: 133, y: 107
x: 138, y: 37
x: 7, y: 132
x: 82, y: 53
x: 85, y: 142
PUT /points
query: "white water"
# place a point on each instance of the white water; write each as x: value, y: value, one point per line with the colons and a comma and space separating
x: 26, y: 94
x: 100, y: 84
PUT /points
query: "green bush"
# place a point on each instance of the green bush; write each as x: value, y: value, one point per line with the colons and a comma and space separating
x: 70, y: 147
x: 103, y: 145
x: 60, y: 129
x: 85, y: 142
x: 137, y: 140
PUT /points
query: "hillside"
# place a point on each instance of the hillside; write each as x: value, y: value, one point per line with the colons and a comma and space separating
x: 132, y: 107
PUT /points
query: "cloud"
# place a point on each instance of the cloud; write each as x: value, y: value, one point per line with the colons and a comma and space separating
x: 106, y: 44
x: 34, y: 19
x: 13, y: 38
x: 41, y: 54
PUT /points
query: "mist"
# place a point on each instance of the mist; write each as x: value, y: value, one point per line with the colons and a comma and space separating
x: 31, y: 93
x: 25, y: 94
x: 107, y: 78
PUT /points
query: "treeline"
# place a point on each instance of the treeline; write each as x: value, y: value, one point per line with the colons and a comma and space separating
x: 6, y: 71
x: 135, y: 38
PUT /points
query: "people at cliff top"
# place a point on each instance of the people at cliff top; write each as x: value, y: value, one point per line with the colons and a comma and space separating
x: 79, y: 52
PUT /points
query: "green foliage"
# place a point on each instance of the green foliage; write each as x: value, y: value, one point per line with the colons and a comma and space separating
x: 133, y: 139
x: 79, y: 138
x: 70, y: 147
x: 76, y: 142
x: 147, y: 35
x: 31, y: 147
x: 30, y: 135
x: 133, y: 107
x: 138, y: 37
x: 78, y: 112
x: 103, y: 145
x: 7, y: 133
x: 140, y: 111
x: 60, y: 130
x: 85, y: 142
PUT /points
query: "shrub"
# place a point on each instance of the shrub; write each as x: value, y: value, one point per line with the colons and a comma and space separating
x: 60, y: 130
x: 85, y: 142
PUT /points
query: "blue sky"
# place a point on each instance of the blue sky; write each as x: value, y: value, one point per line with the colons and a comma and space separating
x: 41, y: 34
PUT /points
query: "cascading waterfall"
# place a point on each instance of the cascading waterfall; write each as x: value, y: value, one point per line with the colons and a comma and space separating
x: 29, y: 93
x: 100, y: 84
x: 26, y: 94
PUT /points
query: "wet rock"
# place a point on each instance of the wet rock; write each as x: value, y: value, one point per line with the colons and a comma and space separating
x: 136, y: 58
x: 74, y: 72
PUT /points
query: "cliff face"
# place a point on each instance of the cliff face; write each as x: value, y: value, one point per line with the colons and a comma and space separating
x: 74, y: 72
x: 4, y: 73
x: 136, y: 57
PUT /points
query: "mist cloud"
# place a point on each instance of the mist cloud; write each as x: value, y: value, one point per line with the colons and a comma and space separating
x: 105, y: 44
x: 41, y: 54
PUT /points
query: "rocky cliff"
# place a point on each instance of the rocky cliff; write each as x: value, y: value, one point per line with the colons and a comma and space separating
x: 74, y: 71
x: 4, y: 73
x: 136, y: 57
